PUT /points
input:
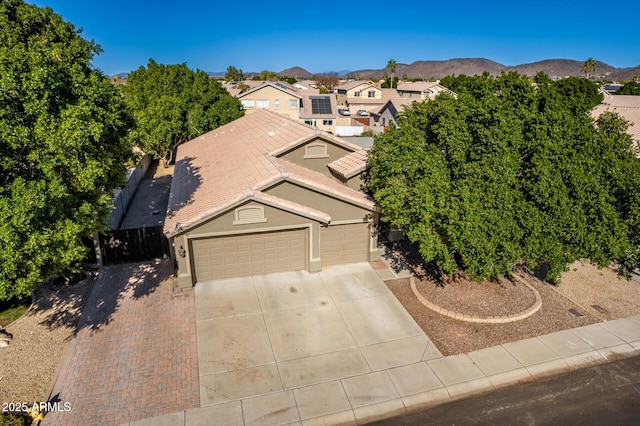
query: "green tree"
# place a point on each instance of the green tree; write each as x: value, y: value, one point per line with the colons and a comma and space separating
x: 510, y: 176
x: 266, y: 76
x: 630, y: 88
x: 392, y: 65
x: 580, y: 94
x: 172, y: 104
x: 589, y: 67
x: 233, y: 74
x: 386, y: 84
x: 63, y: 146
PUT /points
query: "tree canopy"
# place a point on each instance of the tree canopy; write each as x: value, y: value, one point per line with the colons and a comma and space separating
x: 630, y: 88
x: 62, y: 145
x: 233, y: 74
x: 512, y: 173
x: 172, y: 104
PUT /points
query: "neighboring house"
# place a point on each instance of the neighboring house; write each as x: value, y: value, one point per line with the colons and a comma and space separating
x: 422, y: 90
x: 628, y: 107
x: 277, y: 96
x: 408, y: 93
x: 265, y: 194
x: 387, y: 114
x: 305, y: 105
x: 357, y: 92
x: 320, y: 111
x: 309, y: 85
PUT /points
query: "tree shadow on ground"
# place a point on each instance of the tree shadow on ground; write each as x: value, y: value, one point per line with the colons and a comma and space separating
x: 406, y: 255
x: 111, y: 285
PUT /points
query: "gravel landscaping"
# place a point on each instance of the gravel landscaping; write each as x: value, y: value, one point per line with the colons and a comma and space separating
x: 585, y: 295
x: 29, y: 364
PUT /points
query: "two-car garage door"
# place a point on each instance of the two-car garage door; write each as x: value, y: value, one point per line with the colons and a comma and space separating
x: 249, y: 254
x: 276, y: 251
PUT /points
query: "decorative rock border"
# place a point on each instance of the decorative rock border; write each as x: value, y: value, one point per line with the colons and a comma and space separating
x: 488, y: 320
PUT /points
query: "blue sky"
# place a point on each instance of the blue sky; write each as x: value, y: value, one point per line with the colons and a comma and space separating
x: 330, y: 36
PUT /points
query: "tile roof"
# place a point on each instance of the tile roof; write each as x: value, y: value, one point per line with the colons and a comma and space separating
x: 626, y: 106
x: 280, y: 85
x: 398, y: 103
x: 418, y: 86
x: 230, y: 164
x: 353, y: 84
x: 351, y: 164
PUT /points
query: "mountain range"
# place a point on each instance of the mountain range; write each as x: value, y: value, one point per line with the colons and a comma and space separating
x: 433, y: 70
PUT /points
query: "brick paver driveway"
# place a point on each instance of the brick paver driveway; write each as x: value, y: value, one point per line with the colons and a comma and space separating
x: 134, y: 355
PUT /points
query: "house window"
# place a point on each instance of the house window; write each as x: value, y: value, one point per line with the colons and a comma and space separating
x: 293, y: 104
x: 249, y: 214
x: 309, y: 122
x: 248, y: 104
x: 356, y: 94
x: 316, y: 150
x: 327, y: 122
x: 262, y: 103
x: 276, y: 103
x: 372, y: 93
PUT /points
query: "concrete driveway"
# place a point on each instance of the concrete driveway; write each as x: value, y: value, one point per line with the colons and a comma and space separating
x: 263, y: 334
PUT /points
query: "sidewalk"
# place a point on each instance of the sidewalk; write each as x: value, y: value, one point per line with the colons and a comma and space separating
x: 396, y: 387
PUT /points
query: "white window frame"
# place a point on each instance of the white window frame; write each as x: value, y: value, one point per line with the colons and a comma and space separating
x: 327, y: 122
x: 262, y: 103
x: 248, y: 103
x: 371, y: 93
x: 293, y: 104
x: 356, y: 94
x: 276, y: 103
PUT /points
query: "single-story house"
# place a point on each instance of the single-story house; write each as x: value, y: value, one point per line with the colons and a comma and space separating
x: 266, y: 193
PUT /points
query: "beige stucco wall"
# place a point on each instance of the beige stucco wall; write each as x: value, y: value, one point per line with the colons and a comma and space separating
x: 318, y: 123
x: 356, y: 182
x: 319, y: 165
x: 276, y: 219
x: 338, y: 209
x: 271, y: 94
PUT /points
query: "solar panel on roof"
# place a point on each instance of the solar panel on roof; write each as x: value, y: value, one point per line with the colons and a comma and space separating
x: 321, y: 105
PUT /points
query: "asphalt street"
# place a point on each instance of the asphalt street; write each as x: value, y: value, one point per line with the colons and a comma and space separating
x: 607, y: 394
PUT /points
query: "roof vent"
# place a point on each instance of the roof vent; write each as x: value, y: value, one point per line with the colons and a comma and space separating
x: 272, y: 133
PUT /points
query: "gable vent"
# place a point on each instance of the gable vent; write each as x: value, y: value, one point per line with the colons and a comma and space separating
x: 316, y: 150
x: 251, y: 214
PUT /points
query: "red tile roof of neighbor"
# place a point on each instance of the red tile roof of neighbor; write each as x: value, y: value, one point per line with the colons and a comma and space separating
x: 232, y: 163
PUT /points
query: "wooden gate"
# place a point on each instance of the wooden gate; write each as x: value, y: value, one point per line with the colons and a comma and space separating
x: 133, y: 245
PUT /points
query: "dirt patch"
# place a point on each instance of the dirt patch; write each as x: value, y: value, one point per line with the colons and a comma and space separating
x: 568, y: 305
x: 28, y: 365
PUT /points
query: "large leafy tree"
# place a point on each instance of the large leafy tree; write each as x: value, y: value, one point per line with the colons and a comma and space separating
x: 63, y: 146
x: 630, y: 88
x: 233, y: 74
x: 172, y: 104
x: 511, y: 173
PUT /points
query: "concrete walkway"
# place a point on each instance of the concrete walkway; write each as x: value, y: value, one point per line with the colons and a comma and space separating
x: 339, y: 351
